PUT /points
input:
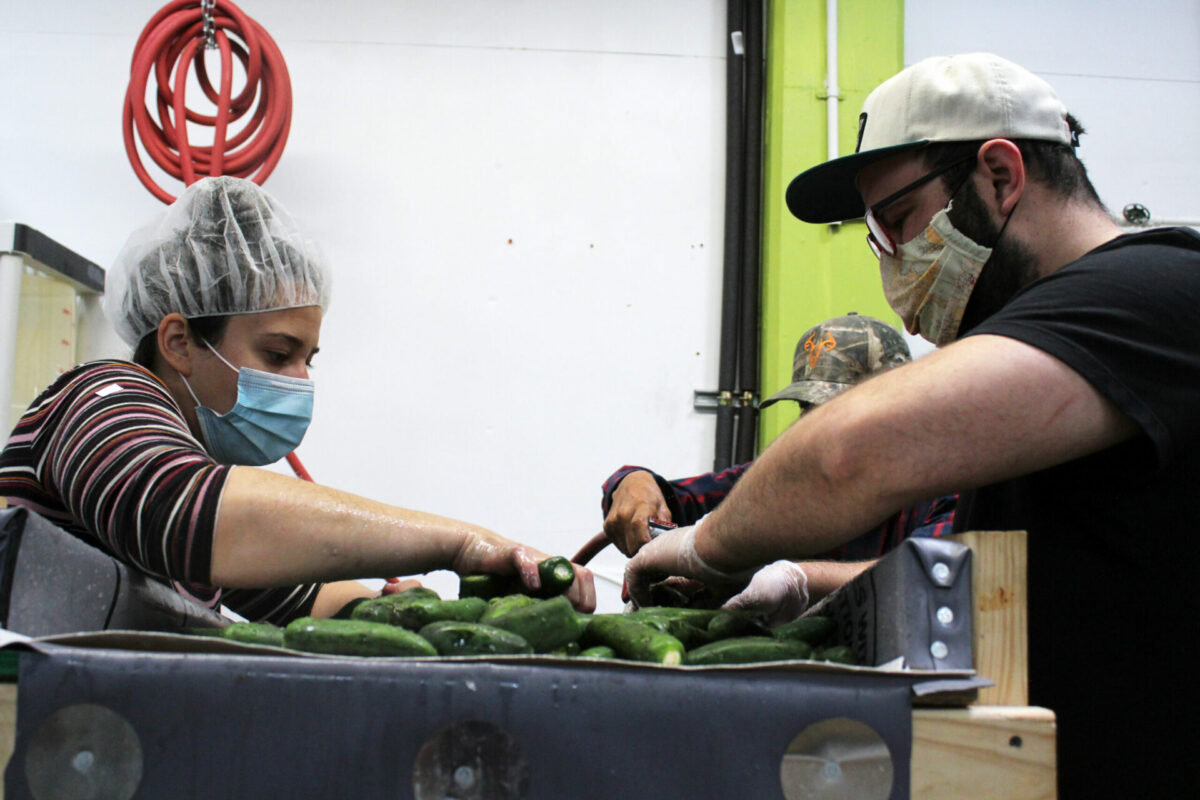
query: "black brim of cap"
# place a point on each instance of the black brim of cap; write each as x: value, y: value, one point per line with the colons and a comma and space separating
x: 813, y: 392
x: 826, y: 192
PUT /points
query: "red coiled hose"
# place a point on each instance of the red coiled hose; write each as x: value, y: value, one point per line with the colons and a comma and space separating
x: 174, y: 38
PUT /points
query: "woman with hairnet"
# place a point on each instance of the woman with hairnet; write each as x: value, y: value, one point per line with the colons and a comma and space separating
x: 154, y: 461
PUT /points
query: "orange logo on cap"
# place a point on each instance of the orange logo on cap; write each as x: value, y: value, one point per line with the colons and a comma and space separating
x: 815, y: 348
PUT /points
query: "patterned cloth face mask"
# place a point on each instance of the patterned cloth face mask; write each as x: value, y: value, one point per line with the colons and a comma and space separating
x: 929, y: 280
x: 267, y: 422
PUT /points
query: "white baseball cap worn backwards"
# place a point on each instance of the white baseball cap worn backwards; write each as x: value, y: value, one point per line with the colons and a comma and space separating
x: 943, y: 99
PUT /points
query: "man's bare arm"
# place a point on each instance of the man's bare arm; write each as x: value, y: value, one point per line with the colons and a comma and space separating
x: 982, y: 410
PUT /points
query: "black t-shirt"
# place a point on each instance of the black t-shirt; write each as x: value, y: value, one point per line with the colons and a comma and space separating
x: 1114, y: 538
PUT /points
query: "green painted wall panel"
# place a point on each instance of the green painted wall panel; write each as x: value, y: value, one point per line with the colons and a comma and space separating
x: 813, y: 272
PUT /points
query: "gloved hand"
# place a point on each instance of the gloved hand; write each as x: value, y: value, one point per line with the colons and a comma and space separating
x: 778, y: 590
x: 674, y: 553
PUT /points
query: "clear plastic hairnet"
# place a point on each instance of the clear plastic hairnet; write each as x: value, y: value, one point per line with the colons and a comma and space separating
x: 224, y: 247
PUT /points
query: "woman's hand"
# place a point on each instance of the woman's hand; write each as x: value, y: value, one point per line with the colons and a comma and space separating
x: 492, y: 553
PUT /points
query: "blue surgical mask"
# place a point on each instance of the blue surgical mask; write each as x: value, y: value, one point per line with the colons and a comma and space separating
x: 267, y: 422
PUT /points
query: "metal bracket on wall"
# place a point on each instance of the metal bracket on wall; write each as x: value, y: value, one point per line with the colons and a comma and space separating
x: 709, y: 402
x: 1136, y: 215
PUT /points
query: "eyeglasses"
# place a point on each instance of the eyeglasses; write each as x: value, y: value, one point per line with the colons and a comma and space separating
x: 879, y: 240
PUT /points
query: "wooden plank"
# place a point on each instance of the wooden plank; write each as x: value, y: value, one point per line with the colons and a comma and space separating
x: 8, y: 725
x: 998, y: 752
x: 999, y: 614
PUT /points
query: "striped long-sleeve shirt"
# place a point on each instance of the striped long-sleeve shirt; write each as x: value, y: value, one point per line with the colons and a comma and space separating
x: 106, y: 454
x: 689, y: 499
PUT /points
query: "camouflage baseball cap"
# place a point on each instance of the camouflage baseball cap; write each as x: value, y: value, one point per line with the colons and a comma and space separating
x: 838, y: 353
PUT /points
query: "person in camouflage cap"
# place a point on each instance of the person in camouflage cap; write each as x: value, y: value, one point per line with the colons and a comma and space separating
x: 830, y: 358
x: 838, y: 353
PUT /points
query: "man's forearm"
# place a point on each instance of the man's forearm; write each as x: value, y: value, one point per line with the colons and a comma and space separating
x: 796, y: 501
x: 982, y: 410
x: 826, y: 577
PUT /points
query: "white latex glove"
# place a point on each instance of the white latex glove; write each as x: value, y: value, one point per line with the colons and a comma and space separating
x: 778, y: 590
x: 673, y: 553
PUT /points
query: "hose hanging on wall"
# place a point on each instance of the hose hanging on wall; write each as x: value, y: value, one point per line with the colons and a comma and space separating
x: 176, y: 37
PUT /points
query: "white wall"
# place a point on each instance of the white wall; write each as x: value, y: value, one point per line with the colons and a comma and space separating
x: 1130, y: 72
x: 459, y: 373
x: 502, y: 382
